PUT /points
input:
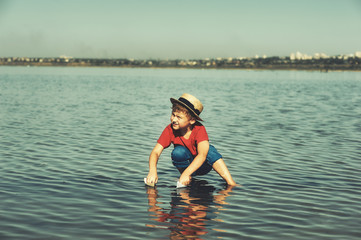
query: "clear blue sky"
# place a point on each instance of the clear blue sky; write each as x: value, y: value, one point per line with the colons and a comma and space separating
x: 172, y: 29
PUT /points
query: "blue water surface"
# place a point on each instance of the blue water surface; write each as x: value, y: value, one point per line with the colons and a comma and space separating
x: 74, y: 147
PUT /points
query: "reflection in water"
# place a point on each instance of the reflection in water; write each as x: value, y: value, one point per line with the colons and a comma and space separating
x: 190, y: 209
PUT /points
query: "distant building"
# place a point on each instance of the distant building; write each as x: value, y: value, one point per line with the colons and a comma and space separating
x: 292, y: 56
x: 320, y: 56
x: 300, y: 56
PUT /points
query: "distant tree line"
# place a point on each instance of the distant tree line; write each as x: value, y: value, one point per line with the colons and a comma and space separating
x: 322, y: 64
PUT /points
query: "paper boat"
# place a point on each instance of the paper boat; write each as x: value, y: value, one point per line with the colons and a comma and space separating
x: 179, y: 185
x: 148, y: 184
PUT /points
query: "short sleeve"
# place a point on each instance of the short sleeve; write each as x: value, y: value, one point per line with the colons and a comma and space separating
x: 165, y: 138
x: 202, y: 135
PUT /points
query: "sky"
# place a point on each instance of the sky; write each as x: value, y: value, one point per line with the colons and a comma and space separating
x: 170, y: 29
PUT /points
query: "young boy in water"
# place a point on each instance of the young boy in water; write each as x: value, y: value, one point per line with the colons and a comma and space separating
x: 192, y: 155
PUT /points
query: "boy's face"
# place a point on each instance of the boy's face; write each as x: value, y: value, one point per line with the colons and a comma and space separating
x: 180, y: 120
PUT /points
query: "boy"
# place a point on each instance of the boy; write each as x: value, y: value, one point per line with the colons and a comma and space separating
x: 192, y: 154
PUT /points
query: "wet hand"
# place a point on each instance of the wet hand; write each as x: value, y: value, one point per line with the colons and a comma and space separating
x: 152, y: 178
x: 185, y: 179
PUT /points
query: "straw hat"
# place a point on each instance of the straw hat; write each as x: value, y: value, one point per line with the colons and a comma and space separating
x: 191, y: 103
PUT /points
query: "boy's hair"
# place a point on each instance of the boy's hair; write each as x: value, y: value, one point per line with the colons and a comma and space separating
x: 179, y: 108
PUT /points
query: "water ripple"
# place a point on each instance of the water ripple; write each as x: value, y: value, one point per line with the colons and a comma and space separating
x: 75, y: 142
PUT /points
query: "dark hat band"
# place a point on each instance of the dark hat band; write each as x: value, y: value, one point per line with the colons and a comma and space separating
x: 189, y: 104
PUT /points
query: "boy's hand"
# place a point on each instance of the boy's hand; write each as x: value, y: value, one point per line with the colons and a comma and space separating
x: 152, y: 178
x: 185, y: 179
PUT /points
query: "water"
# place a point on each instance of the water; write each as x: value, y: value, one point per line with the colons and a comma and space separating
x: 74, y: 146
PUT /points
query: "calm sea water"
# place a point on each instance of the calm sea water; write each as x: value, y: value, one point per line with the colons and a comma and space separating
x: 74, y: 147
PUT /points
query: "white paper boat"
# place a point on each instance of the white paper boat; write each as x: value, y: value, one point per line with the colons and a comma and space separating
x: 179, y: 185
x: 148, y: 184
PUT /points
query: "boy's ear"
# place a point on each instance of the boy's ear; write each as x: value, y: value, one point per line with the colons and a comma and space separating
x: 192, y: 121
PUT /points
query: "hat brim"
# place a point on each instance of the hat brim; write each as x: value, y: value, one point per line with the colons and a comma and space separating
x: 173, y: 100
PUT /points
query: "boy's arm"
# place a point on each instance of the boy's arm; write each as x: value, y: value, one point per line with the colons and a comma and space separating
x: 153, y: 160
x: 202, y: 149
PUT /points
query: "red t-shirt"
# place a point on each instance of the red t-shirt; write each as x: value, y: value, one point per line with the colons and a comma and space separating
x: 198, y: 135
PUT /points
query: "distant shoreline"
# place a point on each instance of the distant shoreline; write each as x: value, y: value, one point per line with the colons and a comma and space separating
x: 272, y: 63
x: 199, y: 68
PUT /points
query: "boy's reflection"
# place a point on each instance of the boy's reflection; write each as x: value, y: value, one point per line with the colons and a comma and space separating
x: 190, y: 209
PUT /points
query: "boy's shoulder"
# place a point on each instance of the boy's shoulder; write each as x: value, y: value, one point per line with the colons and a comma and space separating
x: 198, y: 125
